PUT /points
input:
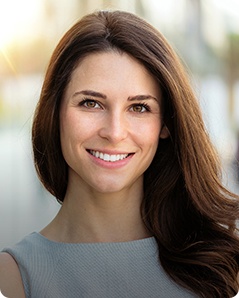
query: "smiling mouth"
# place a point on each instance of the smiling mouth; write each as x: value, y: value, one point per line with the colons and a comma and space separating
x: 109, y: 157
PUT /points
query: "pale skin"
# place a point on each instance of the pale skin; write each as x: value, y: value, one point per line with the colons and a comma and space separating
x: 110, y: 127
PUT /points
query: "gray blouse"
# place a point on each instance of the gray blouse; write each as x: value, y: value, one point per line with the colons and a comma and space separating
x: 106, y: 270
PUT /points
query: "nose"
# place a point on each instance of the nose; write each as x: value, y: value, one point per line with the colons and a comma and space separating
x: 114, y: 127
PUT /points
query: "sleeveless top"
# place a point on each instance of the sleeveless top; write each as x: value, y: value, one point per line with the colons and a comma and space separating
x: 105, y: 270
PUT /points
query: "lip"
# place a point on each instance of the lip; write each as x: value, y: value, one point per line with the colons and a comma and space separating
x: 110, y: 152
x: 110, y: 164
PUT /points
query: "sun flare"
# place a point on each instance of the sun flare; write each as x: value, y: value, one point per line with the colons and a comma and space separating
x: 16, y: 18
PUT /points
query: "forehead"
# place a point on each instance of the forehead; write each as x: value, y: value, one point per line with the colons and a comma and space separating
x: 106, y: 70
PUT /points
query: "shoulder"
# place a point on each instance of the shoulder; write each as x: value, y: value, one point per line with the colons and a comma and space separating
x: 10, y: 279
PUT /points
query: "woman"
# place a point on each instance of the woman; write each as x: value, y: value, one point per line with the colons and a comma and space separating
x: 119, y: 140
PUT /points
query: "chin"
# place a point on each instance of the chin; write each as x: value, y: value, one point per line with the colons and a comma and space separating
x: 109, y: 187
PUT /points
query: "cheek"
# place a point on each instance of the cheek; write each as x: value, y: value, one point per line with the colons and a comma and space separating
x: 149, y: 132
x: 73, y: 127
x: 147, y: 140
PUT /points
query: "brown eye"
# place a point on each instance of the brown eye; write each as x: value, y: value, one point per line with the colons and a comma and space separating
x: 90, y: 104
x: 140, y: 108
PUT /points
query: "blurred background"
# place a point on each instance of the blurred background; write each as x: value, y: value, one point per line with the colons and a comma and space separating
x: 205, y: 33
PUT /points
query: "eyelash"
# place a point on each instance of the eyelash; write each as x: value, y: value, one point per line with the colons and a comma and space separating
x: 87, y: 100
x: 142, y: 105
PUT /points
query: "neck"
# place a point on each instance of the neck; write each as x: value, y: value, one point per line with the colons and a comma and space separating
x: 87, y: 217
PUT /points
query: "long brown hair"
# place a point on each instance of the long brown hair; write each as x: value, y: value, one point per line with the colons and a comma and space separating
x: 191, y: 215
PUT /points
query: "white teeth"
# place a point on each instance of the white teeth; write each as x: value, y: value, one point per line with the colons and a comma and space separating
x: 108, y: 157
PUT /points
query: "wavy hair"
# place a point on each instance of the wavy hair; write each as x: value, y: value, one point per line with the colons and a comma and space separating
x: 185, y: 206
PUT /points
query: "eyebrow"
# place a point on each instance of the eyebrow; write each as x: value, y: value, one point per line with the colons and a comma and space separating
x: 90, y: 93
x: 103, y: 96
x: 141, y: 97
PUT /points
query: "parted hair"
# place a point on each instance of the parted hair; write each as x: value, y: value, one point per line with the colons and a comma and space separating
x: 185, y: 206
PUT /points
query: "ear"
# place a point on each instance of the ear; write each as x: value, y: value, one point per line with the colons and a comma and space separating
x: 164, y: 133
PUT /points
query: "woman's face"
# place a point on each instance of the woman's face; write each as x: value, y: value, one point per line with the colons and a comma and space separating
x: 110, y: 122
